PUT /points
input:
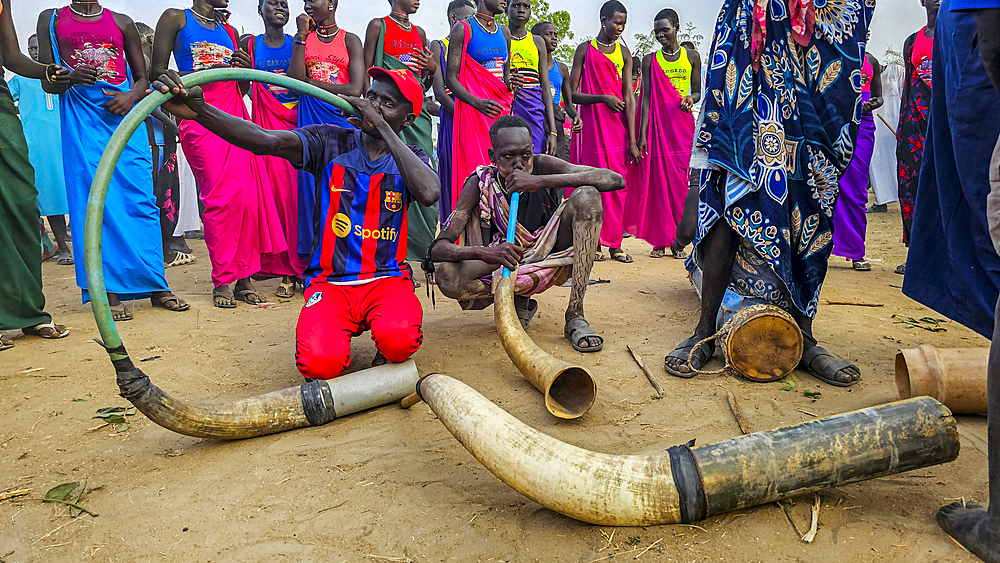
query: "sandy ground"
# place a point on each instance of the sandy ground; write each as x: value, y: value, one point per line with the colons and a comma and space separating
x: 394, y: 485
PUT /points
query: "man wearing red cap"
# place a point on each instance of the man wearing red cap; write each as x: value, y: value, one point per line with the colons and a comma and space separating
x: 357, y: 278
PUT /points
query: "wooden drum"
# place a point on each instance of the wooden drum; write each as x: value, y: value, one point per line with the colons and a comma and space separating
x: 761, y: 343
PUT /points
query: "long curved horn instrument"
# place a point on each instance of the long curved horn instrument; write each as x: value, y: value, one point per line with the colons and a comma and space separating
x: 569, y: 390
x: 686, y: 484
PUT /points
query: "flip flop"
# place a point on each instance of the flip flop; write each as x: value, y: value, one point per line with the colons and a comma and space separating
x: 658, y: 253
x: 829, y: 370
x: 286, y: 290
x: 65, y: 259
x: 620, y: 256
x: 599, y: 257
x: 223, y: 298
x: 244, y: 296
x: 379, y: 359
x: 180, y: 259
x: 164, y: 302
x: 5, y: 343
x: 525, y: 315
x: 576, y: 330
x: 861, y: 265
x: 678, y: 253
x: 120, y: 313
x: 901, y: 269
x: 48, y: 330
x: 700, y: 357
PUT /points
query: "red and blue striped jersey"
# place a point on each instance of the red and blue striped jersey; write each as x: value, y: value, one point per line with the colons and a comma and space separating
x: 360, y: 211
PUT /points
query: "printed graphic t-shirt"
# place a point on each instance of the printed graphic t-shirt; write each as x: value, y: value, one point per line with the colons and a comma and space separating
x: 360, y: 212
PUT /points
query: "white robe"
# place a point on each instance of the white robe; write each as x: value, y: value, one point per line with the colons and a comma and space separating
x: 882, y: 172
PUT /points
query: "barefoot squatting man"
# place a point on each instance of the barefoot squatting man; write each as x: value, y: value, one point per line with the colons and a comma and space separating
x: 357, y: 278
x: 562, y: 247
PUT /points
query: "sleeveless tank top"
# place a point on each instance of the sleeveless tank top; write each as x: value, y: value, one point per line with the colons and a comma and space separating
x: 327, y: 62
x: 867, y: 73
x: 679, y: 71
x: 616, y: 56
x: 198, y: 48
x: 920, y: 58
x: 98, y: 42
x: 277, y: 61
x: 402, y: 44
x: 556, y: 83
x: 487, y: 49
x: 524, y: 58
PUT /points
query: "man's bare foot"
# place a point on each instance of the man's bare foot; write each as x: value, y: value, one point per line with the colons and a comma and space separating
x: 973, y: 527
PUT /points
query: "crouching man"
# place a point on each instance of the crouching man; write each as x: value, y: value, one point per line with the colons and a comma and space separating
x: 556, y: 238
x: 357, y: 278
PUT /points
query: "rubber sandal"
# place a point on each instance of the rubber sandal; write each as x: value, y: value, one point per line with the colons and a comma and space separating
x: 162, y: 302
x: 599, y: 257
x: 901, y: 269
x: 5, y: 343
x: 222, y: 300
x: 65, y: 259
x: 48, y: 330
x: 244, y: 296
x: 379, y: 359
x: 286, y: 290
x: 576, y: 330
x: 121, y: 313
x: 828, y: 375
x: 700, y: 357
x: 180, y: 259
x: 861, y: 265
x: 620, y: 256
x: 525, y: 315
x: 678, y: 254
x: 658, y: 253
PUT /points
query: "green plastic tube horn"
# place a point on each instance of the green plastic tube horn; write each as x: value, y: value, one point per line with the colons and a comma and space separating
x: 314, y: 403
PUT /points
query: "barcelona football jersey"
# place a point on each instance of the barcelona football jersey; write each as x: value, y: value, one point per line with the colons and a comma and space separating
x: 360, y: 211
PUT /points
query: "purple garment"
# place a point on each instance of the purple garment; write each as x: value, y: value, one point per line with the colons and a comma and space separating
x: 528, y: 105
x: 849, y: 219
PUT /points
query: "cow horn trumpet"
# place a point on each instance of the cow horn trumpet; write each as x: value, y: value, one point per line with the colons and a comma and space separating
x: 569, y: 390
x: 686, y: 484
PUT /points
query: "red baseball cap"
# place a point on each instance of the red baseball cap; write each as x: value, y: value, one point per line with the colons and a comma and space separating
x: 412, y: 90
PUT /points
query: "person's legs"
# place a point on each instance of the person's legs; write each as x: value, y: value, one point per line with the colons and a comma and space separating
x: 719, y: 248
x: 246, y: 292
x: 974, y: 527
x: 689, y: 220
x: 58, y: 224
x: 393, y: 313
x: 580, y: 227
x: 323, y: 333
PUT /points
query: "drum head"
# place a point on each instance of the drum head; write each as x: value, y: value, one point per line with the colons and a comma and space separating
x: 765, y: 347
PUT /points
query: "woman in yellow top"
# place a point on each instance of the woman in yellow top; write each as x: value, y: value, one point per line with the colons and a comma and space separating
x: 658, y: 184
x: 528, y: 56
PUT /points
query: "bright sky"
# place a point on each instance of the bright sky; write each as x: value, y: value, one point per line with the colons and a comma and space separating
x: 894, y: 19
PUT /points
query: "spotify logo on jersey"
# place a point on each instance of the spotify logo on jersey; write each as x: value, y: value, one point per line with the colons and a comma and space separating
x: 341, y: 225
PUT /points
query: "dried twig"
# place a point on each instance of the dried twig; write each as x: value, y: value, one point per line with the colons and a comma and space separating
x: 854, y: 303
x: 650, y: 546
x: 645, y: 370
x: 742, y: 422
x: 809, y: 536
x: 788, y: 514
x: 7, y: 495
x: 396, y: 559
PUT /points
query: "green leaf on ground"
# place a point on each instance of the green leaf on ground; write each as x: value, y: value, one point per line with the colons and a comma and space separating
x: 788, y: 385
x: 60, y: 492
x: 633, y: 540
x: 79, y: 400
x: 812, y: 394
x: 123, y: 428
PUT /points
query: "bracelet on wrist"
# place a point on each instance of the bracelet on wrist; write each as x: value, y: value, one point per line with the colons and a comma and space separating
x: 299, y: 42
x: 48, y: 75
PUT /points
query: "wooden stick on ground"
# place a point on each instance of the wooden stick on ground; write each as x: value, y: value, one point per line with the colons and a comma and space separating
x: 742, y: 422
x: 645, y: 370
x: 809, y: 536
x: 854, y: 303
x: 410, y: 400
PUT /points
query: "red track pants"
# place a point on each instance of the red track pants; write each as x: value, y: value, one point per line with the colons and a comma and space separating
x: 335, y: 313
